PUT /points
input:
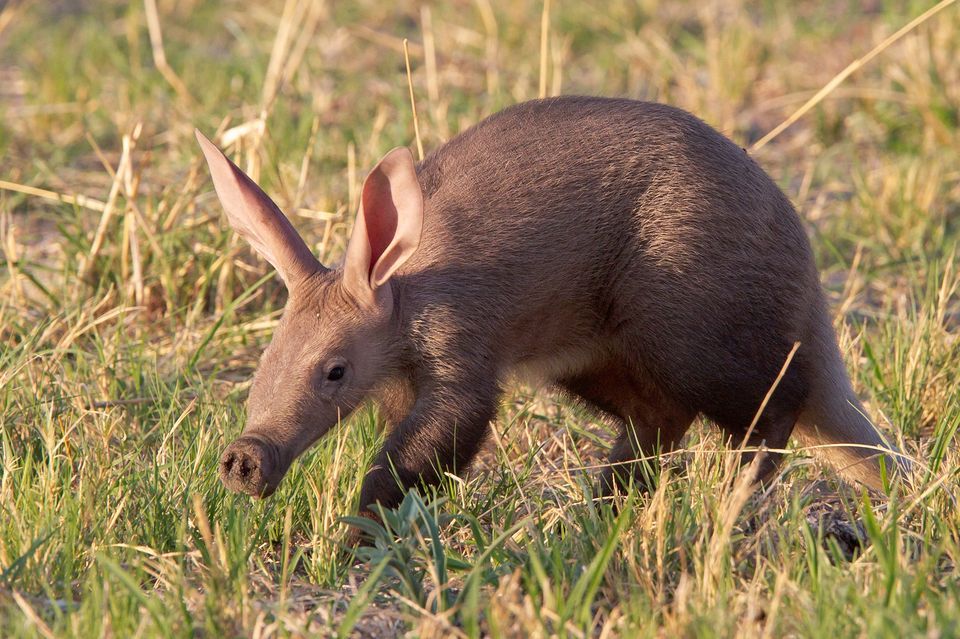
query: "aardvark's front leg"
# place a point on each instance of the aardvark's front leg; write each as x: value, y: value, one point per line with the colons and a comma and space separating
x: 444, y: 431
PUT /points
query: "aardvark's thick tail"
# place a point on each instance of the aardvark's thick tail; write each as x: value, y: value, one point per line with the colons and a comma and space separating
x: 835, y: 421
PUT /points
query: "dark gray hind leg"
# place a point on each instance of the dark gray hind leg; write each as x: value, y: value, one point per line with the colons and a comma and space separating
x: 649, y: 422
x: 772, y: 431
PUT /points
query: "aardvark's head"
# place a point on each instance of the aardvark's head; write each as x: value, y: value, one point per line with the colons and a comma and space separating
x: 337, y: 337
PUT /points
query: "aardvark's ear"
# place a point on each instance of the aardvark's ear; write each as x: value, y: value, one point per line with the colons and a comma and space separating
x: 388, y: 226
x: 254, y: 216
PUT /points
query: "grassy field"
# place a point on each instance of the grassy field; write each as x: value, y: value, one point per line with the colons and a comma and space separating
x: 131, y: 320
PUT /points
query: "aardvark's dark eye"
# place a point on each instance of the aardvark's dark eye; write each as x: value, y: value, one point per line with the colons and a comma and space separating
x: 335, y: 373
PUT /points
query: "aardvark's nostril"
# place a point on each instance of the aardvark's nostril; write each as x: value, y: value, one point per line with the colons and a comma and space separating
x: 247, y: 465
x: 227, y: 462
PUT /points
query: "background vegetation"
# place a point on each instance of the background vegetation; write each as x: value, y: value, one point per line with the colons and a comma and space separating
x: 131, y: 320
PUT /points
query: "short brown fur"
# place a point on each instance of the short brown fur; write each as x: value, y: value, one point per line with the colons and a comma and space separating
x: 622, y: 251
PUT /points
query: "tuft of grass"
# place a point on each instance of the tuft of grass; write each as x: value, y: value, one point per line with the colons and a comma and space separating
x: 131, y: 320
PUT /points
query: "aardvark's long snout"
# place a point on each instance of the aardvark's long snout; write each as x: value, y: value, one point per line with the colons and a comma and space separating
x: 251, y: 465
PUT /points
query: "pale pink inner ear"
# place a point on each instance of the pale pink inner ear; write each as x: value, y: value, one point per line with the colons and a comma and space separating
x: 255, y: 217
x: 382, y: 225
x: 389, y: 224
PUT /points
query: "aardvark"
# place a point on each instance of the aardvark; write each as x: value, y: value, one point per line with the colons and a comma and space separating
x: 623, y: 252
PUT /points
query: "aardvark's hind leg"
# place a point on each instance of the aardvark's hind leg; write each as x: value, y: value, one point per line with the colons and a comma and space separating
x: 772, y: 433
x: 649, y: 422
